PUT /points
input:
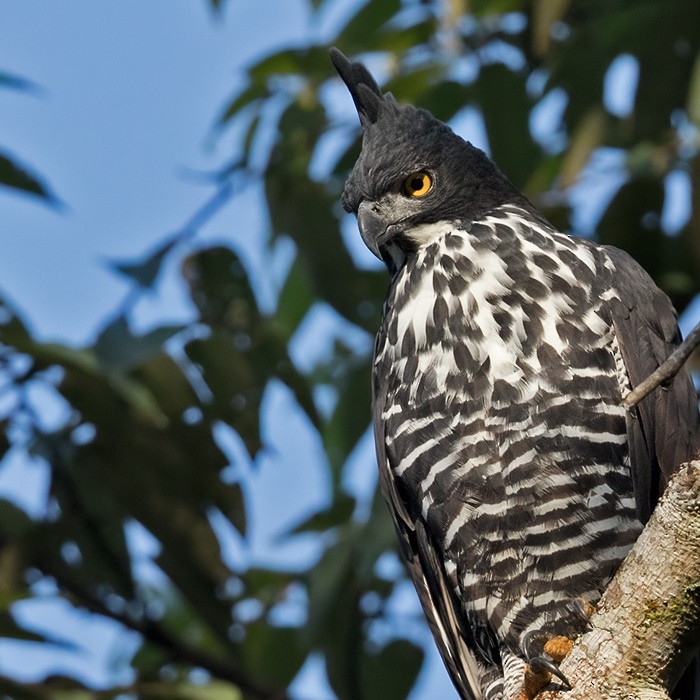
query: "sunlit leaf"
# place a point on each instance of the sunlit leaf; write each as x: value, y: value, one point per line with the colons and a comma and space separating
x: 587, y: 137
x: 694, y: 93
x: 544, y: 14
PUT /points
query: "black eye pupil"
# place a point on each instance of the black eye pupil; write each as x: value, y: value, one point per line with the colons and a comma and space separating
x: 416, y: 183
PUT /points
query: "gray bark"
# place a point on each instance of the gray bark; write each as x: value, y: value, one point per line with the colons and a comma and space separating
x: 647, y: 625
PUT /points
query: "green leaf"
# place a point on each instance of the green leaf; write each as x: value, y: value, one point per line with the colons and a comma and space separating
x: 275, y: 654
x: 213, y: 690
x: 231, y: 377
x: 119, y: 349
x: 339, y: 513
x: 19, y: 691
x: 18, y: 177
x: 544, y: 14
x: 632, y: 222
x: 220, y: 288
x: 251, y: 95
x: 295, y: 299
x: 168, y: 384
x: 505, y: 105
x: 588, y: 136
x: 351, y: 416
x: 390, y: 674
x: 14, y: 522
x: 694, y: 93
x: 369, y: 20
x: 95, y: 392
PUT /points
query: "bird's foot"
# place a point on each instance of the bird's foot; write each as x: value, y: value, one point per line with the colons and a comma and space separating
x: 538, y: 674
x: 540, y: 670
x: 557, y: 648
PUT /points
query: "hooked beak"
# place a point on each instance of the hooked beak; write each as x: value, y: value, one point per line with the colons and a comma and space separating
x: 373, y: 226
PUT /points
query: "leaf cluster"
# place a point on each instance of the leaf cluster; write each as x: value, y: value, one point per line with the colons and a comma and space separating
x: 139, y: 446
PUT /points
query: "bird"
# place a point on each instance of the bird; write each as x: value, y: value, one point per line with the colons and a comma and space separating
x: 516, y: 480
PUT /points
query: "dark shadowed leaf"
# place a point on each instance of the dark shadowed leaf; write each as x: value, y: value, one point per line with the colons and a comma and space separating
x: 17, y: 82
x: 230, y: 376
x: 220, y: 288
x: 118, y: 348
x: 217, y: 5
x: 506, y: 106
x: 4, y: 439
x: 250, y: 95
x: 339, y: 513
x: 372, y: 17
x: 633, y: 222
x: 17, y: 176
x: 351, y: 416
x: 144, y: 271
x: 391, y: 673
x: 168, y: 383
x: 274, y: 653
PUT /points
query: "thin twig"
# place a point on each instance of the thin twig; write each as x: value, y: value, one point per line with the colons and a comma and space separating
x: 189, y: 229
x: 666, y: 371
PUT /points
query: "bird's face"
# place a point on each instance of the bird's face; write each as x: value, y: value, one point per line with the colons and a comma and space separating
x: 394, y: 215
x: 413, y: 171
x: 402, y: 180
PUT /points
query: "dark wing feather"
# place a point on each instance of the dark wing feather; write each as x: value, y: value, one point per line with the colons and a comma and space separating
x: 426, y: 569
x: 663, y: 431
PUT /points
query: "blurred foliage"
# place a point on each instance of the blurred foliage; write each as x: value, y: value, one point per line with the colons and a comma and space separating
x: 13, y: 173
x: 145, y: 411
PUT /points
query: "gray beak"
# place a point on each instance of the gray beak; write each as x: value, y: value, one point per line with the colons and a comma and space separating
x: 373, y: 226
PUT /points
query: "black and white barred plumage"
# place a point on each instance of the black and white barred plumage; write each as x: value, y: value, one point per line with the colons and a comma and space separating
x: 516, y: 480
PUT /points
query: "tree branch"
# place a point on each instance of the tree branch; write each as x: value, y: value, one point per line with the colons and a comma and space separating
x: 155, y: 633
x: 646, y: 628
x: 666, y: 371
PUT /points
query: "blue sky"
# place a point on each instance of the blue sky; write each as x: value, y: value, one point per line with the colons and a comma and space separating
x: 121, y: 127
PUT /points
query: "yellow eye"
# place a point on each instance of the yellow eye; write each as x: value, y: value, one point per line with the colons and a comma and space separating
x: 418, y: 184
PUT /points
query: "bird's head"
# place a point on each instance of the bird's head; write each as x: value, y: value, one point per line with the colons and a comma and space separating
x: 413, y: 171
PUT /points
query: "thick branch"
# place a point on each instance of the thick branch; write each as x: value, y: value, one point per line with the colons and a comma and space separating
x: 647, y: 626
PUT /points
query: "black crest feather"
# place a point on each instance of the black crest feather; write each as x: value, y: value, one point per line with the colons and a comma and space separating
x: 362, y: 86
